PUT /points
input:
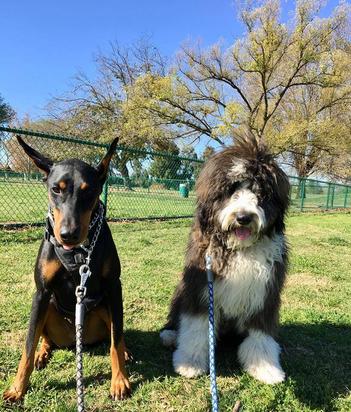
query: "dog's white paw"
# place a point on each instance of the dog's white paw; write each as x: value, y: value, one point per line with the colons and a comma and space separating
x: 168, y: 337
x: 267, y: 373
x: 187, y: 366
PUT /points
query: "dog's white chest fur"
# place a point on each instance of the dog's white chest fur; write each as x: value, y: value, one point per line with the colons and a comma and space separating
x: 241, y: 290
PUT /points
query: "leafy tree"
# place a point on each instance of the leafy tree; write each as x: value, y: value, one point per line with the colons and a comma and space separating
x: 6, y: 112
x: 95, y: 108
x: 256, y: 82
x: 188, y: 168
x: 314, y: 126
x: 167, y: 166
x: 207, y: 153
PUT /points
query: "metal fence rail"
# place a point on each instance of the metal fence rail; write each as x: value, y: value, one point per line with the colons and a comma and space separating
x: 142, y: 184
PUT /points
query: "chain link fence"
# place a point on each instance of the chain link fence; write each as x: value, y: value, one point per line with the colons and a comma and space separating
x: 142, y: 184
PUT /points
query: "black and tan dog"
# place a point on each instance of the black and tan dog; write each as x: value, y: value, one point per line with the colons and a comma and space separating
x: 74, y: 188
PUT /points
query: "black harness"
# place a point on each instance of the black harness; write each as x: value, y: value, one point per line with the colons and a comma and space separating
x: 72, y: 260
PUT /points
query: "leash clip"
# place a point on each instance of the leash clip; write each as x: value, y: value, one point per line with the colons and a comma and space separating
x: 84, y: 272
x: 81, y: 291
x: 209, y: 268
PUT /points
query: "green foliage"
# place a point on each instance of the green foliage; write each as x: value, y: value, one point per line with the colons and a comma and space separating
x: 166, y: 167
x: 6, y: 112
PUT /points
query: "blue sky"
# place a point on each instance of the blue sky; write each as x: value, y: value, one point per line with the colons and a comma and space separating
x: 44, y: 43
x: 47, y: 42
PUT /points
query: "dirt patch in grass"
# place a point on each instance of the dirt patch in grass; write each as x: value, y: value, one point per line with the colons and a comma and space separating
x: 14, y: 339
x: 307, y: 280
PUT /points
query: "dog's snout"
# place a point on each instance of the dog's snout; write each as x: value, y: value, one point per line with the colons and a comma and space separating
x: 244, y: 218
x: 70, y: 234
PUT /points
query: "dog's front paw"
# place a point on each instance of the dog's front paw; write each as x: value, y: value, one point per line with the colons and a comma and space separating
x: 120, y: 387
x: 267, y: 373
x: 259, y: 355
x: 188, y: 366
x: 13, y: 395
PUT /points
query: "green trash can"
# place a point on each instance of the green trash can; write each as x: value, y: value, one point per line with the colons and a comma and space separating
x: 183, y: 190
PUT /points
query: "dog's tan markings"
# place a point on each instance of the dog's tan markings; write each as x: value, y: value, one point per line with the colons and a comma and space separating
x: 43, y: 355
x: 84, y: 223
x: 49, y: 269
x: 62, y: 184
x: 84, y: 186
x: 25, y: 368
x: 58, y: 220
x: 120, y: 386
x: 106, y: 266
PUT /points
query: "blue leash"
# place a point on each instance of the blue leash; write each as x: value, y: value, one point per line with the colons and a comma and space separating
x: 211, y: 335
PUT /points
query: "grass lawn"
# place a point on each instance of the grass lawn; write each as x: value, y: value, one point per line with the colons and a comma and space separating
x: 315, y: 333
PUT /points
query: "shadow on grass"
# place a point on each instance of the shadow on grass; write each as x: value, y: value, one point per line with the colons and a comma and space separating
x: 150, y: 360
x: 315, y: 357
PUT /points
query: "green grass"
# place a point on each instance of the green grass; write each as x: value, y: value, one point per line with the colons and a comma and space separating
x: 315, y: 333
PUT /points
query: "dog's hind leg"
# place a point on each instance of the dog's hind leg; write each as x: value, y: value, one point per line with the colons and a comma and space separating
x: 190, y: 359
x: 43, y: 355
x: 168, y: 334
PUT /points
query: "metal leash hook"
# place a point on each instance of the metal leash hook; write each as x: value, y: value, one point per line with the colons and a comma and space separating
x: 211, y: 334
x: 81, y: 291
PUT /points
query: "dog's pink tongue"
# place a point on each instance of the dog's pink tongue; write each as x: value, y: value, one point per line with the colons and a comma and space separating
x: 67, y: 247
x: 242, y: 233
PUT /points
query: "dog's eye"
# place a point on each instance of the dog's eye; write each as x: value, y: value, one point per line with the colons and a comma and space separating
x: 233, y: 187
x: 56, y: 190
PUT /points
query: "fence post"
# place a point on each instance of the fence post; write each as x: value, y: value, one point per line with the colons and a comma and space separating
x: 105, y: 187
x: 302, y: 193
x: 332, y: 196
x: 346, y: 193
x: 328, y: 195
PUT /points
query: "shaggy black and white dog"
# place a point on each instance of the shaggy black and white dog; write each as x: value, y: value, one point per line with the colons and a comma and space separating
x: 242, y: 197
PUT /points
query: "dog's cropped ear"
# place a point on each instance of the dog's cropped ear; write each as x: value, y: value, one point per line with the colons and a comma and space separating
x: 42, y: 162
x: 102, y: 167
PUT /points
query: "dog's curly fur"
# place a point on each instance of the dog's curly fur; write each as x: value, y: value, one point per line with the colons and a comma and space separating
x: 242, y: 198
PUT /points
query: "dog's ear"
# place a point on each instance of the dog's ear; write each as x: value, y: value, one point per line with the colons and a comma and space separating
x: 42, y: 162
x: 102, y: 167
x: 205, y: 217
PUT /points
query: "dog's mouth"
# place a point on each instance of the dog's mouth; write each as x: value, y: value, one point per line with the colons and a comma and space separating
x: 242, y: 233
x: 68, y: 247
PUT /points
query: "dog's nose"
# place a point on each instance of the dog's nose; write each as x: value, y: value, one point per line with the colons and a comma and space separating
x: 69, y: 234
x: 244, y: 218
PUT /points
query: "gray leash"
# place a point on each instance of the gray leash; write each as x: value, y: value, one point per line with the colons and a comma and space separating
x: 81, y: 290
